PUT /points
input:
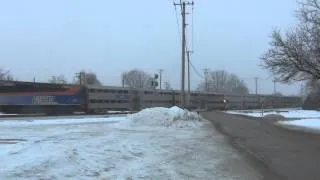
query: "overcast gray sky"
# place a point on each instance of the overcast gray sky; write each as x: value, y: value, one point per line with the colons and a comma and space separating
x: 44, y: 38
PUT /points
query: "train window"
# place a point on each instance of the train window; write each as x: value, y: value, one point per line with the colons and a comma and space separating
x: 113, y: 101
x: 148, y: 92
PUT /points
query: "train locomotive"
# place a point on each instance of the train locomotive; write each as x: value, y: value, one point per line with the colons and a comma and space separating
x: 28, y: 97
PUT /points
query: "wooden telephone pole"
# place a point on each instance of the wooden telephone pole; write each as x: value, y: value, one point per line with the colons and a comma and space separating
x: 184, y: 48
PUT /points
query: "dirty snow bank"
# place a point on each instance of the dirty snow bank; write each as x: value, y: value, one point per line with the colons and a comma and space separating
x: 167, y: 117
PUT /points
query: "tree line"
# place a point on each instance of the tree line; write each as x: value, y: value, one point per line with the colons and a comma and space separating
x: 216, y: 81
x: 85, y: 78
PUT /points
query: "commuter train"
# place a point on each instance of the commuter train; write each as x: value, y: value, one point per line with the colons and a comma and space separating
x: 29, y: 97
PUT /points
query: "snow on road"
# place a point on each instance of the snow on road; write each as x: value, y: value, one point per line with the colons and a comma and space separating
x: 156, y: 143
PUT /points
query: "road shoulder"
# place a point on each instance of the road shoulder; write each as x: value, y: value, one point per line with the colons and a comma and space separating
x: 275, y: 152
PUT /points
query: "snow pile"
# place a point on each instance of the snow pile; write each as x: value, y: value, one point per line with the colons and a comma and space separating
x: 167, y: 117
x: 306, y: 125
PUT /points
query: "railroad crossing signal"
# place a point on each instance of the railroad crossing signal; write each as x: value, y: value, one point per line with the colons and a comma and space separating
x: 154, y: 82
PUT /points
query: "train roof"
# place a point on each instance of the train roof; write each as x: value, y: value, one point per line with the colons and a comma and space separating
x: 33, y: 84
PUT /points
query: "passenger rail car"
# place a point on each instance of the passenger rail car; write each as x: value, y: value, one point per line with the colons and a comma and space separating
x: 250, y: 101
x: 102, y: 99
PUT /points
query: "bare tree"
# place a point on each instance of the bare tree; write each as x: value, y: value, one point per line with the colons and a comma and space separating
x: 137, y: 79
x: 295, y: 55
x: 313, y: 86
x: 58, y: 80
x: 222, y: 81
x: 219, y: 79
x: 91, y: 78
x: 88, y: 78
x: 5, y: 75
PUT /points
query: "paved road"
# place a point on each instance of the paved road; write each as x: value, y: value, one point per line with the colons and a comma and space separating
x: 276, y: 152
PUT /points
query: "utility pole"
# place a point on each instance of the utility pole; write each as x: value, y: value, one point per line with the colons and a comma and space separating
x: 256, y: 83
x: 160, y: 78
x: 188, y: 57
x: 274, y: 86
x: 81, y: 77
x: 183, y: 52
x: 167, y: 85
x: 206, y: 72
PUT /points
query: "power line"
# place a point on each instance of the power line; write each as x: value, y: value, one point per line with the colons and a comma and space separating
x: 177, y: 21
x: 192, y: 29
x: 196, y: 71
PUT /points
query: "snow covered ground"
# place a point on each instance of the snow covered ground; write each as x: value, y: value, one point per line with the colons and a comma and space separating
x: 3, y: 114
x: 157, y: 143
x: 306, y: 125
x: 288, y: 113
x: 305, y: 120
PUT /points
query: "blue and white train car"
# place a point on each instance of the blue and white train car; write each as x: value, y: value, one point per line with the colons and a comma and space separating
x: 26, y: 97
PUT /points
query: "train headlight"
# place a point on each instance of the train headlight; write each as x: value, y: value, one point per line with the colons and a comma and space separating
x: 224, y: 101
